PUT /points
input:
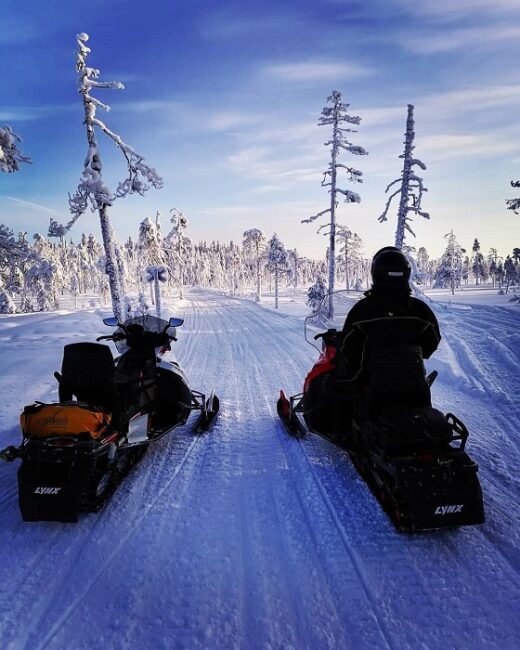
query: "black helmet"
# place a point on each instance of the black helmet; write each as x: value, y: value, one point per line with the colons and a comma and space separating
x: 390, y: 266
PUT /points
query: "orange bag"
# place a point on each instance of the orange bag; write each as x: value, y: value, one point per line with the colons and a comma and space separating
x: 69, y: 419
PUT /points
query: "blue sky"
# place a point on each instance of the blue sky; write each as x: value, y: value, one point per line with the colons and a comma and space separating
x: 223, y: 99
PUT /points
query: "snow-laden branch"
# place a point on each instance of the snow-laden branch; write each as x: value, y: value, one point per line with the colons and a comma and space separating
x: 350, y: 197
x: 514, y: 204
x: 354, y: 174
x: 357, y: 151
x: 10, y: 155
x: 91, y: 189
x: 315, y: 216
x: 383, y: 217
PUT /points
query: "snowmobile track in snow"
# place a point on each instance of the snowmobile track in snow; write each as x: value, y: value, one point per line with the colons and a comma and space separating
x: 86, y: 589
x: 354, y: 558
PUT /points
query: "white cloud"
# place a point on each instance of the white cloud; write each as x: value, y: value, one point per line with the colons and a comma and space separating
x: 447, y: 146
x: 35, y: 206
x: 432, y: 42
x: 446, y: 9
x: 228, y: 120
x: 29, y: 113
x: 314, y: 70
x: 275, y: 170
x: 469, y: 102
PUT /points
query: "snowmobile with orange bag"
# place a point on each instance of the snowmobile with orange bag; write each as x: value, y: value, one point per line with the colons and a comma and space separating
x: 76, y: 452
x: 409, y: 453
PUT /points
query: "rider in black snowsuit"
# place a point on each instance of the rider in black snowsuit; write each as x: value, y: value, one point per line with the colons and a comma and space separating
x: 388, y: 317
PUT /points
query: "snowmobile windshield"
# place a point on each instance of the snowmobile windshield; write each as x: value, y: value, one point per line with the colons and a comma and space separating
x: 320, y: 319
x: 148, y: 323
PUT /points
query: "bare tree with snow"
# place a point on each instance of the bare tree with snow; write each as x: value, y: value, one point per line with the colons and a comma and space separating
x: 254, y: 243
x: 10, y: 154
x: 336, y: 116
x: 92, y: 189
x: 411, y: 186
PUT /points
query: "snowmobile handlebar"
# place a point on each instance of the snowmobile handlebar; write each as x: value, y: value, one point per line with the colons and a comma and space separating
x: 329, y: 337
x: 111, y: 337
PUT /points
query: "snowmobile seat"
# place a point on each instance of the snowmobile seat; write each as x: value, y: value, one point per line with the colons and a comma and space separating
x: 87, y: 373
x: 413, y: 429
x: 395, y: 378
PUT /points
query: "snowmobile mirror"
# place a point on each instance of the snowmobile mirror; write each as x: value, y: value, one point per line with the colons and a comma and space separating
x: 111, y: 321
x: 175, y: 322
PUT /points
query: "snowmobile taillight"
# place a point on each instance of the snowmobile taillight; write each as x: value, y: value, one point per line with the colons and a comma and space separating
x: 61, y: 442
x: 425, y: 458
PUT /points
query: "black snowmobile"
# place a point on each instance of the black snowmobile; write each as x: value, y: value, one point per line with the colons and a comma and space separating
x: 75, y: 453
x: 410, y: 454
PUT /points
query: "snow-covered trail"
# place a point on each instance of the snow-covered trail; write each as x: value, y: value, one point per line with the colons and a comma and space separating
x: 246, y: 538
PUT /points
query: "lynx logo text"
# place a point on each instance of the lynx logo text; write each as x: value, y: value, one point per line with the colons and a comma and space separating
x: 47, y: 490
x: 448, y: 510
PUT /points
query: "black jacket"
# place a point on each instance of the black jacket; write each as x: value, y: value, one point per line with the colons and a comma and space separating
x: 388, y: 317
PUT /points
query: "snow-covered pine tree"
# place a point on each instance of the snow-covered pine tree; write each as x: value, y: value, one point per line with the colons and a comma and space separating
x: 294, y: 262
x: 92, y: 189
x: 149, y: 251
x: 254, y: 244
x: 411, y: 186
x: 276, y: 257
x: 510, y: 275
x: 42, y: 278
x: 492, y: 261
x: 423, y: 266
x: 315, y: 295
x: 350, y: 247
x: 477, y: 262
x: 449, y: 270
x: 7, y: 305
x: 336, y: 116
x: 10, y: 155
x: 514, y: 204
x: 177, y: 244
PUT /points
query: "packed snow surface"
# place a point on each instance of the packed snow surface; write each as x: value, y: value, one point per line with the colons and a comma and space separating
x: 247, y: 538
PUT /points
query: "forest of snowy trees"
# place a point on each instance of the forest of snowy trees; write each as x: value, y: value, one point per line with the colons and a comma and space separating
x: 37, y: 272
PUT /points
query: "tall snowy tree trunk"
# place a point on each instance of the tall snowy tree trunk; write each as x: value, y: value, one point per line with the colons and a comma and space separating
x: 332, y: 239
x: 111, y: 263
x: 181, y: 274
x: 407, y: 167
x: 258, y: 279
x: 276, y: 288
x: 347, y: 279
